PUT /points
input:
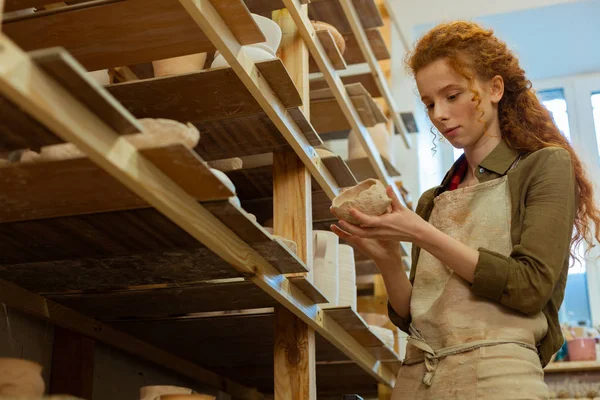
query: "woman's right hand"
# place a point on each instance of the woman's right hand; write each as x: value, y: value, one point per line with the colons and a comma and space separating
x: 383, y: 252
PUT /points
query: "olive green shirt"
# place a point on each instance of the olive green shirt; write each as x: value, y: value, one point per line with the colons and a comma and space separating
x: 544, y: 200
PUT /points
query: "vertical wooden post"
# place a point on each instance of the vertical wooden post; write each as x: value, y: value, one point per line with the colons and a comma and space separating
x: 384, y: 392
x: 72, y: 370
x: 294, y: 351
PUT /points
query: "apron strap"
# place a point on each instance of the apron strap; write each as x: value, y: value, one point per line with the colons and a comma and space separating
x: 432, y: 357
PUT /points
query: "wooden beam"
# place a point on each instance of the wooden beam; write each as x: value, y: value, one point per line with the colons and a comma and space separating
x: 30, y: 303
x: 72, y: 364
x: 335, y: 83
x: 294, y: 344
x: 207, y: 17
x: 363, y: 43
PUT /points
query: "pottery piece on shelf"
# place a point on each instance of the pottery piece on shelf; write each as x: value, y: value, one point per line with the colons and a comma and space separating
x: 323, y: 153
x: 227, y: 164
x: 375, y: 319
x: 28, y: 156
x: 157, y: 392
x: 326, y: 264
x: 347, y: 277
x: 179, y: 65
x: 258, y: 51
x: 101, y: 76
x: 290, y: 244
x: 381, y: 137
x: 21, y: 379
x: 337, y: 36
x: 386, y: 335
x: 369, y: 197
x: 224, y: 179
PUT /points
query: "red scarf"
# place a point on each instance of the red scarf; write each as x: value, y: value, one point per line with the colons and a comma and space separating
x: 458, y: 175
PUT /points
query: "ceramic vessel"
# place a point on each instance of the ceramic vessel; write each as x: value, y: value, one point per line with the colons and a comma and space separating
x: 381, y: 138
x: 386, y: 335
x: 159, y: 391
x: 337, y: 36
x: 179, y: 65
x: 259, y: 51
x: 582, y: 349
x: 224, y: 179
x: 100, y: 76
x: 326, y: 264
x: 21, y: 379
x: 290, y: 244
x: 195, y: 396
x: 227, y: 164
x: 347, y: 277
x: 369, y: 197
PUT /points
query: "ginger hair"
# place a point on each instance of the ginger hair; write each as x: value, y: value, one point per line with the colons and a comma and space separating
x: 525, y: 124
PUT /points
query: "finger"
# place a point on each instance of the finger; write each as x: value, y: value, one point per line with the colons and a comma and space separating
x: 341, y: 233
x: 396, y: 204
x: 334, y: 213
x: 354, y: 229
x: 364, y: 220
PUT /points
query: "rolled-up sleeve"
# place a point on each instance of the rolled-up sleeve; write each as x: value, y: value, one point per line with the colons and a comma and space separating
x: 525, y: 280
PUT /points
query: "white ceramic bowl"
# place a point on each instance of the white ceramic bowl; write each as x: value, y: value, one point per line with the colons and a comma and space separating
x: 271, y: 30
x: 257, y: 54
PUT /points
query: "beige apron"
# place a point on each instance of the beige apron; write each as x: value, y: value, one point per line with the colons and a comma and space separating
x: 463, y: 346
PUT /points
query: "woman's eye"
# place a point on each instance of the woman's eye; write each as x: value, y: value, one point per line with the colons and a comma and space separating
x: 453, y: 96
x: 429, y: 106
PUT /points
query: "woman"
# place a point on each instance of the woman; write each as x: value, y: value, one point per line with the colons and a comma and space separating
x: 491, y: 243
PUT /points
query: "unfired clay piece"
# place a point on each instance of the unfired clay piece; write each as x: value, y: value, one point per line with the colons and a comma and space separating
x: 347, y: 277
x: 179, y: 65
x: 158, y: 392
x: 100, y: 76
x: 326, y: 264
x: 227, y: 164
x: 156, y: 133
x: 224, y: 179
x: 324, y: 153
x: 386, y: 335
x: 337, y: 36
x: 21, y: 379
x: 369, y: 197
x: 290, y: 244
x: 195, y: 396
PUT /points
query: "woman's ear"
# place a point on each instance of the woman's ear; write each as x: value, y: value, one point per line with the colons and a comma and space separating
x: 497, y: 89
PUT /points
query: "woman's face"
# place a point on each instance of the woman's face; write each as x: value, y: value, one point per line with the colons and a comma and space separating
x: 450, y: 104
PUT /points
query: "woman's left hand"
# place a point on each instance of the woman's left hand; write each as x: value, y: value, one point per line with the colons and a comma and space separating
x: 401, y: 224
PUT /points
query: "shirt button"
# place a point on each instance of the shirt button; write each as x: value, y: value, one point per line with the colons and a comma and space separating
x: 481, y: 170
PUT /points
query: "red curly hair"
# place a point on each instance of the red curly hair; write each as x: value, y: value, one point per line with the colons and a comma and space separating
x: 525, y: 123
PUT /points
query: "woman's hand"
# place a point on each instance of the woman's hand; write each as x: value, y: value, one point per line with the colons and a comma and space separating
x: 383, y: 252
x: 400, y: 225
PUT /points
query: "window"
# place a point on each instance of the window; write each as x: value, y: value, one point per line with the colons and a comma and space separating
x: 596, y: 112
x: 554, y: 101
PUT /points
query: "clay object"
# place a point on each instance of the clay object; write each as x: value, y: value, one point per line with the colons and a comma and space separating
x: 380, y: 136
x: 28, y: 156
x: 100, y: 76
x: 21, y: 379
x: 386, y: 335
x: 325, y: 153
x: 290, y: 244
x: 224, y: 179
x: 156, y: 133
x: 227, y: 164
x: 339, y: 40
x: 195, y: 396
x: 259, y: 51
x: 179, y: 65
x: 369, y: 197
x: 326, y: 264
x: 158, y: 392
x: 347, y: 277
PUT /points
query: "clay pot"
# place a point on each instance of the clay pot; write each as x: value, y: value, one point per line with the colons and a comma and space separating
x: 179, y: 65
x: 227, y: 164
x: 159, y: 392
x: 369, y: 197
x: 326, y: 264
x: 347, y: 277
x: 21, y: 379
x: 101, y: 77
x: 258, y: 51
x: 381, y: 138
x: 290, y: 244
x: 386, y: 335
x: 28, y: 156
x: 337, y: 36
x: 325, y: 153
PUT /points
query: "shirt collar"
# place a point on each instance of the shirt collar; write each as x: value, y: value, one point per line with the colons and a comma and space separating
x: 499, y: 161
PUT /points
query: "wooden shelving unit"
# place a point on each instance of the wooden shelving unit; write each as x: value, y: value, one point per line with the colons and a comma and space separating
x: 572, y: 366
x: 144, y: 249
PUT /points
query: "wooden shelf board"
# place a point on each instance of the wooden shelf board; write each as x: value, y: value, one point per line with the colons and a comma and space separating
x: 160, y: 301
x: 330, y: 11
x: 366, y: 79
x: 362, y: 168
x: 308, y: 288
x: 112, y: 34
x: 353, y: 54
x: 333, y: 52
x: 13, y: 5
x: 352, y: 322
x: 327, y: 115
x: 207, y: 95
x: 572, y: 366
x: 215, y: 342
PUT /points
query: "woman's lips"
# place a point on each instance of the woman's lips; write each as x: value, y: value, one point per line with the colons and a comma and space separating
x: 450, y: 133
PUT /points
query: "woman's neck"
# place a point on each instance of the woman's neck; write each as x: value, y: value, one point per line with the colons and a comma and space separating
x: 479, y: 151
